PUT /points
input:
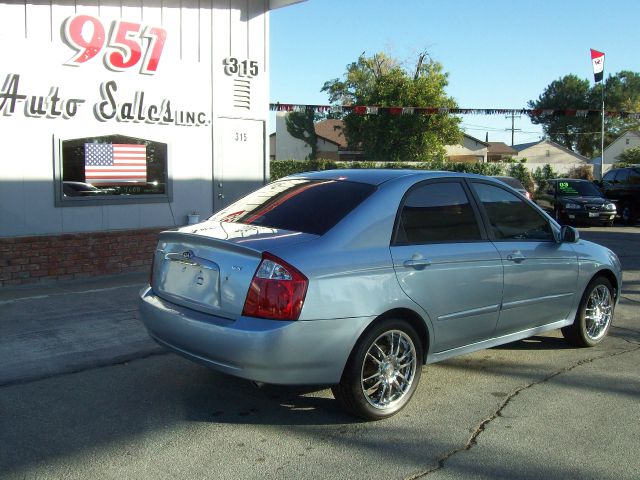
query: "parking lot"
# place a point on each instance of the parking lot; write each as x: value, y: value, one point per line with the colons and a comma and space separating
x: 85, y: 394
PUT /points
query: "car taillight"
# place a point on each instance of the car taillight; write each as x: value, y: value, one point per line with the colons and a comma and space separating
x: 528, y: 195
x: 277, y: 290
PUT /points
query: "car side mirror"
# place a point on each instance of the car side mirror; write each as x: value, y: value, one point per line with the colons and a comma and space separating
x: 569, y: 234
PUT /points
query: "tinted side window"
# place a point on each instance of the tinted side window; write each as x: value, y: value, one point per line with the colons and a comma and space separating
x: 300, y: 205
x: 623, y: 175
x: 511, y: 217
x: 437, y: 212
x: 634, y: 177
x: 609, y: 176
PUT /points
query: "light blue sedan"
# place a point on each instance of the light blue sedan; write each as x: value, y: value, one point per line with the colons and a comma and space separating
x: 357, y: 278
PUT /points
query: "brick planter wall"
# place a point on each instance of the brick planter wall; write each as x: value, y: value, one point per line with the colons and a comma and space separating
x: 78, y: 255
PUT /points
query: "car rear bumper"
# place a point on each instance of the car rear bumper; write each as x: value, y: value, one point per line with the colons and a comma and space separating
x: 269, y: 351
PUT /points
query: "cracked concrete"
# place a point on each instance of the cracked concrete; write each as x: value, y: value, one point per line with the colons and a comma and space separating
x: 473, y: 439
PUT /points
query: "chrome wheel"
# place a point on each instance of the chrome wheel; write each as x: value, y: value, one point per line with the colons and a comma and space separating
x: 598, y: 312
x: 388, y: 369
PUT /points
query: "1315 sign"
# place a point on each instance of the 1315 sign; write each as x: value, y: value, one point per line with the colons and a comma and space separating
x: 240, y: 68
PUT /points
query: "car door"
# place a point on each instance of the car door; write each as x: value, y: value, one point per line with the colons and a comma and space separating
x: 540, y: 273
x: 445, y: 263
x: 608, y: 184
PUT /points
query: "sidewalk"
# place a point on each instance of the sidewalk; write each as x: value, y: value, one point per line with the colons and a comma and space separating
x: 70, y: 326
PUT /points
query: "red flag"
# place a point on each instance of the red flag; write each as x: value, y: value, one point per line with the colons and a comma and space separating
x: 597, y: 59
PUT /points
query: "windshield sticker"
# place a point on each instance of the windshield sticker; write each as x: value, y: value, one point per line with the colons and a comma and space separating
x: 567, y: 189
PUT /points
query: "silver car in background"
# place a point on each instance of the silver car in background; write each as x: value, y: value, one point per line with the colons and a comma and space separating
x: 356, y: 278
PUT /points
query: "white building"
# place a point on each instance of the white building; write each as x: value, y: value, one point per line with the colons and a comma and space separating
x: 470, y: 150
x: 161, y: 106
x: 629, y: 139
x: 543, y: 152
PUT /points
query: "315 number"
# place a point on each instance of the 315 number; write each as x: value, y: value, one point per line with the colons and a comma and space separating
x: 124, y: 50
x: 244, y: 68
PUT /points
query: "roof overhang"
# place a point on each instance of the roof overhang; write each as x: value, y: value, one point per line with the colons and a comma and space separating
x: 273, y: 4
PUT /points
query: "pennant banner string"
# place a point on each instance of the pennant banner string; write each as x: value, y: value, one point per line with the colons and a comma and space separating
x: 377, y: 110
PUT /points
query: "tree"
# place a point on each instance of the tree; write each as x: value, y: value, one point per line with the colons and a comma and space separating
x: 381, y: 81
x: 567, y: 92
x: 301, y: 125
x: 580, y: 134
x: 630, y: 155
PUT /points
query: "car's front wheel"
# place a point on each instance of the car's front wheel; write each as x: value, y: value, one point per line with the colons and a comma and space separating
x: 594, y: 315
x: 382, y: 372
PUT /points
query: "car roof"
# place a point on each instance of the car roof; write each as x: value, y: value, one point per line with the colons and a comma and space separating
x: 378, y: 176
x: 571, y: 180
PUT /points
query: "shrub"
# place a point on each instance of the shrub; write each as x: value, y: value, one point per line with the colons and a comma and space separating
x: 630, y: 156
x: 542, y: 175
x: 584, y: 172
x: 519, y: 171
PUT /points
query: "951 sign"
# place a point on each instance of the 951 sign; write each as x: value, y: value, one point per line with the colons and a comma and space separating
x: 124, y: 47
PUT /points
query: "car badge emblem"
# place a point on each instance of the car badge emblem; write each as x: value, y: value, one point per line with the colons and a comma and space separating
x: 188, y: 255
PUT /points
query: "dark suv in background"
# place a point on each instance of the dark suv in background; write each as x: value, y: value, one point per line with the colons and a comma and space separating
x: 574, y: 201
x: 622, y: 186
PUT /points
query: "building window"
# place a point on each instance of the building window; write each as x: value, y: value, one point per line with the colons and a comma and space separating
x: 548, y: 153
x: 111, y: 169
x: 626, y: 141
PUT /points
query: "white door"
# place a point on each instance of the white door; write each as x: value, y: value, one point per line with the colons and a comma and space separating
x: 239, y: 159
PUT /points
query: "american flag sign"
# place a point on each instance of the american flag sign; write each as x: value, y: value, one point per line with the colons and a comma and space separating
x: 113, y: 163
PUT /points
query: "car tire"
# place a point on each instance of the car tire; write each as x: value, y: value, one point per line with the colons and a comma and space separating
x: 594, y: 315
x: 382, y: 372
x: 627, y: 214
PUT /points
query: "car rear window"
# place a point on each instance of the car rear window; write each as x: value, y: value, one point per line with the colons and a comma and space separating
x: 301, y: 205
x: 512, y: 182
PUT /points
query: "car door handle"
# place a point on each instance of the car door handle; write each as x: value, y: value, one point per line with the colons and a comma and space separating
x: 516, y: 256
x: 422, y: 262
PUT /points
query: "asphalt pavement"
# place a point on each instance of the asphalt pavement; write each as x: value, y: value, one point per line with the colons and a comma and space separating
x: 64, y: 327
x: 84, y: 393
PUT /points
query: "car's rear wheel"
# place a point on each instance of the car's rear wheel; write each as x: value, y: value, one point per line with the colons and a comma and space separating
x: 627, y: 214
x: 382, y: 372
x: 594, y: 315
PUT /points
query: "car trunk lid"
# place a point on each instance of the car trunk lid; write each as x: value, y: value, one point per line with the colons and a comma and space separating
x: 209, y: 267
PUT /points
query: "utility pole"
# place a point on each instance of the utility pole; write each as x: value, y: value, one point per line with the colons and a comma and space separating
x: 513, y: 129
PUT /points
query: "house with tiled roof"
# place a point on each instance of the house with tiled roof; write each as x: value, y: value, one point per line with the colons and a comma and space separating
x: 332, y: 143
x: 499, y: 151
x: 469, y: 150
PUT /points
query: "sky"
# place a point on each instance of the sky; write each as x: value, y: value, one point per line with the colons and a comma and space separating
x: 498, y: 53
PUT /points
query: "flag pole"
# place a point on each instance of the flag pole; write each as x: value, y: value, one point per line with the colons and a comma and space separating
x: 602, y: 137
x: 597, y: 60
